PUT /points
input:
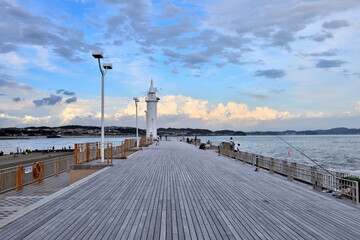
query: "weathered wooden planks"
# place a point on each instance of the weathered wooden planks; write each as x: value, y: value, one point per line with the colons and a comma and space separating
x: 176, y: 191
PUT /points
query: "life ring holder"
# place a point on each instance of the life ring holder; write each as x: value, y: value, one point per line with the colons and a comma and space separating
x: 36, y: 170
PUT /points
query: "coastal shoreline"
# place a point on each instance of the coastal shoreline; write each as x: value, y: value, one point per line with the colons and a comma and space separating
x: 82, y: 136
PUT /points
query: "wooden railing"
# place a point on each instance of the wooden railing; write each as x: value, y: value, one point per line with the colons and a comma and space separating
x: 317, y: 177
x: 17, y: 177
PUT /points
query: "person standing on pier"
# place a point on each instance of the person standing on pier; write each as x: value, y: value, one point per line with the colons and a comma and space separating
x: 232, y: 144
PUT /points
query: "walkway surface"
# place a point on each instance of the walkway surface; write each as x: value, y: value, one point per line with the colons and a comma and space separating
x: 176, y: 191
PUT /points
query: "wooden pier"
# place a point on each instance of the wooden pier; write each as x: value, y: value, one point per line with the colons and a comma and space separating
x: 176, y: 191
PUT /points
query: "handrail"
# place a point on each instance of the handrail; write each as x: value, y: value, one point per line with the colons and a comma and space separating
x: 18, y: 176
x: 308, y: 174
x: 317, y: 177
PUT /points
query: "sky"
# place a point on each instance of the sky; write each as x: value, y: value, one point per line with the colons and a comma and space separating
x: 232, y: 64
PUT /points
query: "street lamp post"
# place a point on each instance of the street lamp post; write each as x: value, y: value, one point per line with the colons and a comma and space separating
x: 137, y: 133
x: 106, y: 66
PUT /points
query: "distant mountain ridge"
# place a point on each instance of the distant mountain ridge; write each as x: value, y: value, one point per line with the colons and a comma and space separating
x: 332, y: 131
x: 78, y: 130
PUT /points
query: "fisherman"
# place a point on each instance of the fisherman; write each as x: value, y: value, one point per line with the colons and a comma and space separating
x: 236, y: 147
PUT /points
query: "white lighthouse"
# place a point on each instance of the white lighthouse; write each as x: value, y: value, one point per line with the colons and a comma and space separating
x: 151, y: 112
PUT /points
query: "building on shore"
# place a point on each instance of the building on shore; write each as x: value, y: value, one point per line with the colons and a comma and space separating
x: 151, y: 111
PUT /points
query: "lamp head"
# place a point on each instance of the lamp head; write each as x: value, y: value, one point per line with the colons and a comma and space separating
x: 107, y: 65
x: 135, y: 99
x: 97, y: 54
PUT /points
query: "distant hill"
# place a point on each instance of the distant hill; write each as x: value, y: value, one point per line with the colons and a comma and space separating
x: 78, y: 130
x: 198, y: 132
x: 333, y: 131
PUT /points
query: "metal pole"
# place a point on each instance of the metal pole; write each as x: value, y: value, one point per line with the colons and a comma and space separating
x: 137, y: 133
x: 102, y: 118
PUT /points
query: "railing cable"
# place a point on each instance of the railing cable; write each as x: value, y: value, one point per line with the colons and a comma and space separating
x: 305, y: 155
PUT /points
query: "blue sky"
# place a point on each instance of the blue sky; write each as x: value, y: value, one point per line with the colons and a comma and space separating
x: 235, y: 64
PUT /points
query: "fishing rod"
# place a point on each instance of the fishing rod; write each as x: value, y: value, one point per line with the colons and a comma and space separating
x: 305, y: 155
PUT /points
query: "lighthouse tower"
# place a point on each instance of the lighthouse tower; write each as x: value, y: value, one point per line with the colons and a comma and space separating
x: 151, y: 112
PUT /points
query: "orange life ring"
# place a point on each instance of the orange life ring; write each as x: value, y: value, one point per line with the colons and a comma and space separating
x: 36, y: 170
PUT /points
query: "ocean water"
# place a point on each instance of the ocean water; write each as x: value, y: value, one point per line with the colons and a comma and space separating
x: 8, y: 146
x: 333, y: 152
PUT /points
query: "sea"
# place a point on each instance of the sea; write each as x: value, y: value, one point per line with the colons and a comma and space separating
x: 339, y: 153
x: 11, y: 145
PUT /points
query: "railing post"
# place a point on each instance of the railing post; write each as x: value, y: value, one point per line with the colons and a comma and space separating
x: 75, y: 153
x: 82, y: 153
x: 107, y: 152
x: 357, y: 191
x: 294, y: 169
x: 41, y: 174
x: 290, y: 172
x: 272, y: 165
x: 257, y: 162
x: 19, y: 178
x: 56, y: 168
x: 88, y: 152
x: 313, y: 177
x: 285, y: 169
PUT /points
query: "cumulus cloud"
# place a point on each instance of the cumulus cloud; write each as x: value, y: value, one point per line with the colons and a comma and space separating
x: 322, y: 54
x: 270, y: 73
x: 22, y: 27
x: 322, y: 63
x: 71, y: 100
x: 173, y: 111
x: 17, y: 99
x: 336, y: 24
x: 7, y: 83
x: 243, y: 16
x: 65, y: 92
x: 184, y: 110
x: 321, y: 37
x: 357, y: 108
x: 315, y: 115
x: 52, y: 100
x: 258, y: 96
x: 7, y: 47
x: 27, y: 120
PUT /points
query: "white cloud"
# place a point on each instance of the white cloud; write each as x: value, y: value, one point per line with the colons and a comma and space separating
x: 315, y: 115
x: 12, y: 60
x: 173, y: 111
x: 357, y: 108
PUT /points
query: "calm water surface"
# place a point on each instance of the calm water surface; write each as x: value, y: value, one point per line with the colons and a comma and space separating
x: 8, y: 146
x: 334, y: 152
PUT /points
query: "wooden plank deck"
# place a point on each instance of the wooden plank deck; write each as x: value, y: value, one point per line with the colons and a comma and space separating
x: 176, y: 191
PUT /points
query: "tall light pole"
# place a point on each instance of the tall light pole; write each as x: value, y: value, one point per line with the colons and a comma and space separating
x: 106, y: 66
x: 136, y: 100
